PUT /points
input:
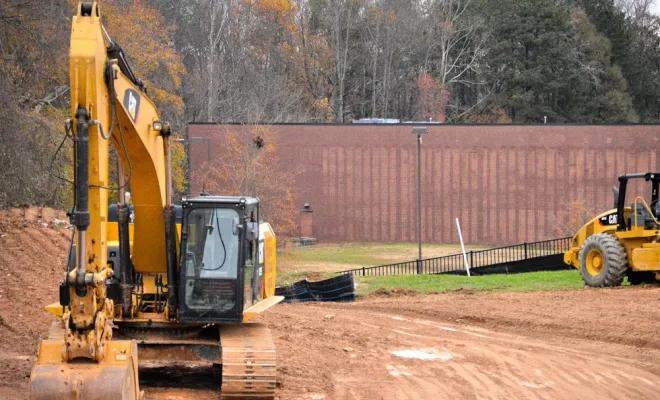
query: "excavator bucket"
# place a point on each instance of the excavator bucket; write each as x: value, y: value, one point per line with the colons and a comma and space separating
x: 116, y: 377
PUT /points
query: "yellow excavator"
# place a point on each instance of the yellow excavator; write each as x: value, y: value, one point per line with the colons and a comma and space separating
x: 179, y: 283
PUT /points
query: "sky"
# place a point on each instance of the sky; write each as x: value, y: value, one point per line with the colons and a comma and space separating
x: 655, y: 8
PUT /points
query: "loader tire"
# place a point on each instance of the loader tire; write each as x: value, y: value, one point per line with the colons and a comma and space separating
x: 603, y: 261
x: 641, y: 277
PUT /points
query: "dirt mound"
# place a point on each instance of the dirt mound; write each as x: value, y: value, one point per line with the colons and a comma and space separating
x: 33, y: 248
x: 314, y: 276
x: 22, y: 217
x: 396, y: 292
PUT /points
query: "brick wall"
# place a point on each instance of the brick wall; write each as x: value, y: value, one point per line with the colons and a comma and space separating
x: 506, y: 183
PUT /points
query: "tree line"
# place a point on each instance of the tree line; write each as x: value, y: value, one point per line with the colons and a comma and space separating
x: 529, y: 61
x: 332, y: 61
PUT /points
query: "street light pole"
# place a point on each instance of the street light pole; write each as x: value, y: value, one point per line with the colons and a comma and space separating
x: 419, y: 132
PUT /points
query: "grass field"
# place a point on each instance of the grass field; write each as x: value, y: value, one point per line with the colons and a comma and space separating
x: 371, y: 254
x: 527, y: 282
x: 322, y: 261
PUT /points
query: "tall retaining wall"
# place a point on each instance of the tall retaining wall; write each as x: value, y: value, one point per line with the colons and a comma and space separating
x: 506, y: 183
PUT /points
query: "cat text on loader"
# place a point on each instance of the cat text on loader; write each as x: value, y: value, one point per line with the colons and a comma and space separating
x: 623, y: 241
x: 179, y: 283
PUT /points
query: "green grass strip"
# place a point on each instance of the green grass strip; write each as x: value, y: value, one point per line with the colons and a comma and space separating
x: 526, y: 282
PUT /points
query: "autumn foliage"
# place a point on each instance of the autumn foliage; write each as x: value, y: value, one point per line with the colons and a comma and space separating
x: 146, y: 38
x: 432, y: 100
x: 246, y: 164
x: 282, y: 12
x: 492, y: 114
x: 569, y: 221
x: 32, y: 99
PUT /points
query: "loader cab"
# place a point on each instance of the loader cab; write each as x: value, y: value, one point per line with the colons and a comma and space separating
x: 217, y: 274
x: 640, y: 214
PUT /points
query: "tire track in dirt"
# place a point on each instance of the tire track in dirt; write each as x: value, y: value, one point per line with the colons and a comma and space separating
x: 532, y: 359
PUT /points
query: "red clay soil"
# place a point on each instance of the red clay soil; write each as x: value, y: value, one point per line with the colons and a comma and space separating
x: 33, y: 248
x: 569, y: 344
x: 581, y: 344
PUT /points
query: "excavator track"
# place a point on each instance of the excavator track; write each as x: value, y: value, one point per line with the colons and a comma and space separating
x: 248, y: 362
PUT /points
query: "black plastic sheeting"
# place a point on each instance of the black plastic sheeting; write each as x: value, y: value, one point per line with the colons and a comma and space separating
x: 339, y: 289
x: 547, y: 263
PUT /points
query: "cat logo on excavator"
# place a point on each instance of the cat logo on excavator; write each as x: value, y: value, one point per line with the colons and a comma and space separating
x: 132, y: 103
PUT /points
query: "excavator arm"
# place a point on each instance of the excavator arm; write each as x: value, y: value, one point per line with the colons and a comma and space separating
x: 108, y: 105
x: 224, y: 278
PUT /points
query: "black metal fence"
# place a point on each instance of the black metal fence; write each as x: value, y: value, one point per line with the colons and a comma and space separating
x: 479, y: 258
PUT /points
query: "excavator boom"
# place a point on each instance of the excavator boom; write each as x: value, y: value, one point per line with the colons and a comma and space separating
x: 79, y: 359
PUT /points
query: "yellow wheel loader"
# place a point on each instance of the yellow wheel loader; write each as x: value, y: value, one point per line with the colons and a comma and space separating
x: 621, y: 242
x: 178, y: 284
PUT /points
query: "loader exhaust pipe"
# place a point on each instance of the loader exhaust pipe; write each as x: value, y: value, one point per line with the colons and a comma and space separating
x: 615, y: 192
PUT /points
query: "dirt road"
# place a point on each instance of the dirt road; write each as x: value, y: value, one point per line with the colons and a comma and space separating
x: 490, y: 346
x: 596, y: 344
x: 573, y: 344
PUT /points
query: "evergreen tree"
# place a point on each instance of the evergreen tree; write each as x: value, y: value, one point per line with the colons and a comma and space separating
x: 635, y: 49
x: 530, y: 59
x: 602, y: 85
x: 546, y: 59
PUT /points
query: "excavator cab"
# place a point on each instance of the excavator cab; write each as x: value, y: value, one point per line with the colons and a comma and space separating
x: 220, y: 270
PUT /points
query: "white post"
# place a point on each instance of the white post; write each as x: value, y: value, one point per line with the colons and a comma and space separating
x: 460, y: 235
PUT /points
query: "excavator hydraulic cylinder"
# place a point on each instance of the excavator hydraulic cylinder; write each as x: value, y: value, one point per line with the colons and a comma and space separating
x: 125, y: 266
x: 170, y: 245
x: 80, y: 216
